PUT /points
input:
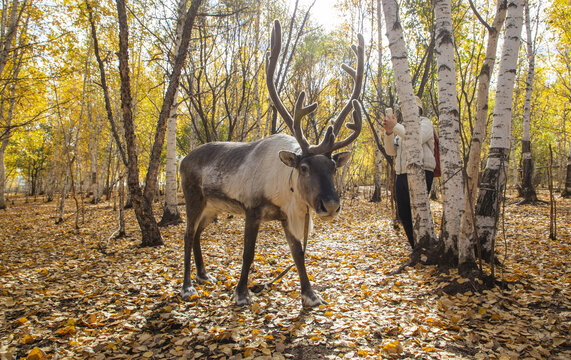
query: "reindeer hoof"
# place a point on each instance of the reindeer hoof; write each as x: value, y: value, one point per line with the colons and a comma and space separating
x: 312, y: 300
x: 187, y: 293
x: 242, y: 299
x: 202, y: 279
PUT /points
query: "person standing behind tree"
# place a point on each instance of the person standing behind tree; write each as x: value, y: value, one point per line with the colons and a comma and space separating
x: 394, y: 145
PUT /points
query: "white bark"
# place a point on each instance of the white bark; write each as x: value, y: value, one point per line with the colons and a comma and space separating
x: 494, y: 178
x: 9, y: 24
x: 421, y: 216
x: 378, y: 155
x: 170, y: 211
x: 466, y: 243
x: 527, y: 191
x: 94, y: 145
x: 449, y: 129
x: 256, y: 78
x: 171, y: 167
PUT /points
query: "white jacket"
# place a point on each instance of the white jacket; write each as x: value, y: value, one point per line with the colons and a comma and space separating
x: 394, y: 145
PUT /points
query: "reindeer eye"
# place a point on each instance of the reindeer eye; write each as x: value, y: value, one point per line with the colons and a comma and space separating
x: 304, y: 169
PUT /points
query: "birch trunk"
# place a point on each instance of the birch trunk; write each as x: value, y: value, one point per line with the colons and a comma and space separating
x: 495, y: 174
x: 94, y: 186
x: 421, y: 217
x: 171, y: 215
x: 257, y: 101
x: 2, y: 175
x: 7, y: 120
x: 467, y: 242
x: 61, y: 205
x: 377, y: 177
x: 377, y: 180
x: 527, y: 191
x: 10, y: 24
x: 449, y: 131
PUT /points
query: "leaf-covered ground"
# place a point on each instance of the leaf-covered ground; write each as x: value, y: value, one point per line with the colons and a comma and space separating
x: 62, y: 295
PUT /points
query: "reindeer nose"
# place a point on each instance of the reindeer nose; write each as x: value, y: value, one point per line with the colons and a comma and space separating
x: 328, y: 207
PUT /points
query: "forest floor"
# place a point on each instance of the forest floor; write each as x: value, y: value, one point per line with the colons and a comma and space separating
x: 64, y: 294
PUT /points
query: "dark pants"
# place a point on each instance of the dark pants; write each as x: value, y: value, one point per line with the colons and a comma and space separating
x: 403, y: 202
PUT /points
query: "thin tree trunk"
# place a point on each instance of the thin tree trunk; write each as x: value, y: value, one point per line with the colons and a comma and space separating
x: 142, y: 205
x: 449, y: 132
x: 422, y: 219
x: 61, y: 206
x: 169, y: 99
x: 2, y: 176
x: 467, y: 241
x: 567, y: 189
x: 9, y: 27
x: 377, y: 180
x: 552, y: 202
x: 256, y: 78
x: 377, y: 177
x: 527, y: 190
x: 495, y: 174
x: 171, y: 215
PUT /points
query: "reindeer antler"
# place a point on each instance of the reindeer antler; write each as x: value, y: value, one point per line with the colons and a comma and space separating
x: 328, y: 143
x: 353, y: 103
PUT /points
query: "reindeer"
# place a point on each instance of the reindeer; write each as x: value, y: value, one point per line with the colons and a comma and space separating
x: 279, y: 178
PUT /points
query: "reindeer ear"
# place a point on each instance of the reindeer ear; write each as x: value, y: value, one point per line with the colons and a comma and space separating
x: 341, y: 158
x: 289, y: 158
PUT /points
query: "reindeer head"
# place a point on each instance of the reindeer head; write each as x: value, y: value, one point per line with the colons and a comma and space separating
x: 316, y: 165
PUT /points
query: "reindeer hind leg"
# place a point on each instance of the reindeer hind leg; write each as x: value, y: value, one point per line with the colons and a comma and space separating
x: 194, y: 207
x: 202, y: 275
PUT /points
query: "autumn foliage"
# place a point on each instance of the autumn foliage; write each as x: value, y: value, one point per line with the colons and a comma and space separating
x: 65, y: 294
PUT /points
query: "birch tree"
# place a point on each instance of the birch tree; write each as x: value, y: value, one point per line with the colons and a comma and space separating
x: 567, y: 189
x: 379, y: 113
x: 10, y: 54
x: 526, y: 188
x: 142, y: 198
x: 495, y: 174
x: 422, y: 219
x: 466, y: 243
x: 171, y: 215
x: 449, y: 130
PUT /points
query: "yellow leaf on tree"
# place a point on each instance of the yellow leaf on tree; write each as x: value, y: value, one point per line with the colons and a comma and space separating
x: 22, y: 320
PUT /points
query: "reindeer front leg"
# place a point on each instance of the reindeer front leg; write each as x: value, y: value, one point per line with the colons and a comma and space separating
x: 308, y: 297
x: 253, y: 220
